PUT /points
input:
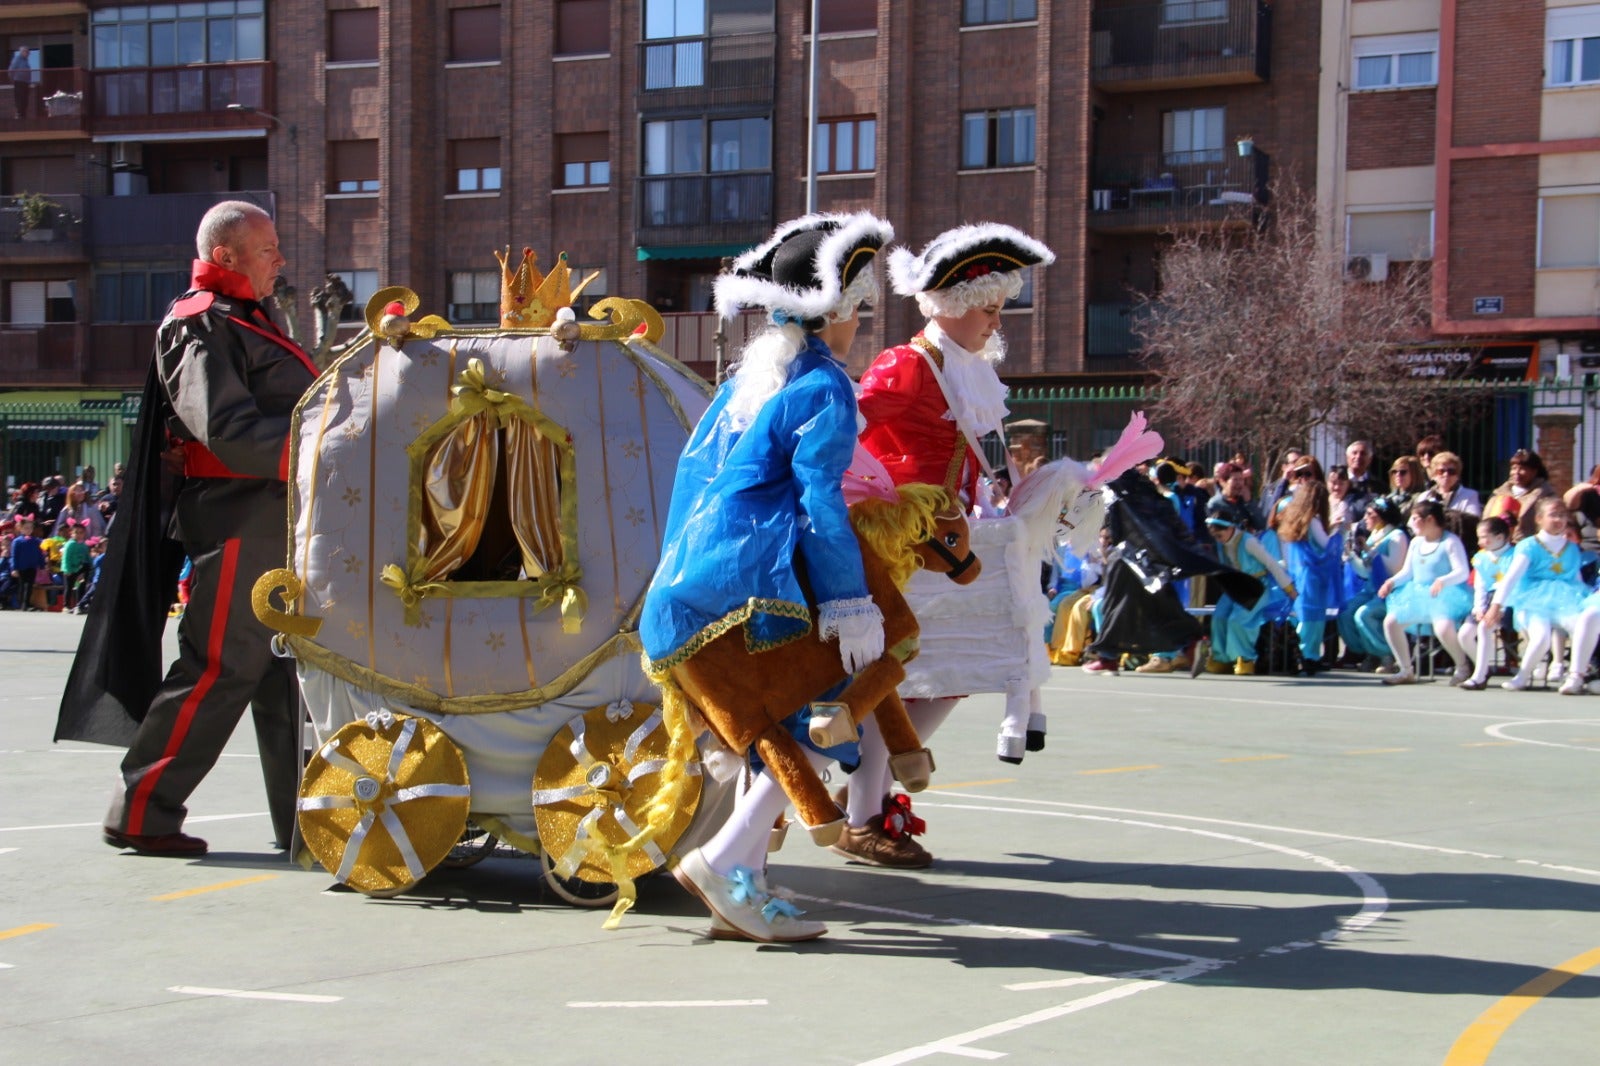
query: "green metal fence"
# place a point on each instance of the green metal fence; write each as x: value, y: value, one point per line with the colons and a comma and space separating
x: 40, y: 439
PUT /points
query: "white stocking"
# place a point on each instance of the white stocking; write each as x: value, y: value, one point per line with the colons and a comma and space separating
x: 1449, y: 637
x: 1585, y: 633
x: 742, y: 840
x: 1539, y: 632
x: 871, y: 781
x: 1394, y: 631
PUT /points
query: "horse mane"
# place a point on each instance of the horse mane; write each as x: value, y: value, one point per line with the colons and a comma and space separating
x: 893, y: 529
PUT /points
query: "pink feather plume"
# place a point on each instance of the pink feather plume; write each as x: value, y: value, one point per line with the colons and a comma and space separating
x: 1136, y: 445
x: 866, y: 477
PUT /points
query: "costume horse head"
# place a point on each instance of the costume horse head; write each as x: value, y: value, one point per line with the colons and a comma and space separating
x: 745, y: 695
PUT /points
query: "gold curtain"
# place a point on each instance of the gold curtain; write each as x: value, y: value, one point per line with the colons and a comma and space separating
x: 533, y: 472
x: 458, y: 482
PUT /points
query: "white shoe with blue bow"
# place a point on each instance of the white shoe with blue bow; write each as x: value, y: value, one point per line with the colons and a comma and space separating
x: 742, y: 906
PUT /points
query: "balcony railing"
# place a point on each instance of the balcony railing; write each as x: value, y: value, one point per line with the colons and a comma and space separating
x: 157, y: 220
x: 733, y: 68
x: 53, y: 104
x: 1165, y: 189
x: 1180, y: 44
x: 47, y: 230
x: 76, y: 354
x: 149, y: 99
x: 704, y: 208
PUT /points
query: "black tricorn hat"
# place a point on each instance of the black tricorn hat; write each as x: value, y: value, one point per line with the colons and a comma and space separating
x: 965, y: 254
x: 805, y: 267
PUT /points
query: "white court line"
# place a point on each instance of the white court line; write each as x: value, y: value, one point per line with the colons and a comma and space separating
x: 1498, y: 731
x: 670, y: 1003
x: 1011, y: 930
x: 4, y: 850
x: 96, y: 825
x: 236, y: 993
x: 1286, y: 704
x: 1374, y: 904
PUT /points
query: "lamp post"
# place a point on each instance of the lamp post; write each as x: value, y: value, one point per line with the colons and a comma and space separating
x: 811, y: 116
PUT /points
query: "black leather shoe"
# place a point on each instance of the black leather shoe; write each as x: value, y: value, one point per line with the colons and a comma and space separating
x: 167, y: 844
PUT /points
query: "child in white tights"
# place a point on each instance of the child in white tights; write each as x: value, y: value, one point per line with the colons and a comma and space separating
x: 1543, y: 587
x: 1489, y: 567
x: 1430, y: 590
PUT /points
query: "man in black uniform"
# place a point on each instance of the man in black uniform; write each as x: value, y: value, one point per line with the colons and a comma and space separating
x: 222, y: 390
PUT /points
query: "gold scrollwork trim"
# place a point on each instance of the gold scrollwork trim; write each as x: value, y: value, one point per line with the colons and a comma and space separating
x: 626, y: 316
x: 654, y: 668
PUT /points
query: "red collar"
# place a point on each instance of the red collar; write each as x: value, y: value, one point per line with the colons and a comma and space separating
x: 220, y: 280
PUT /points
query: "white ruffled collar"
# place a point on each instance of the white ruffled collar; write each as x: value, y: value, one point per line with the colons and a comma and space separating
x: 977, y: 395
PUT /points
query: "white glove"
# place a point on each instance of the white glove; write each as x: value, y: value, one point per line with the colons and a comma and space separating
x: 860, y: 641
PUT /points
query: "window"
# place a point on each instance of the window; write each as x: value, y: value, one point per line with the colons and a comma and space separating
x: 45, y: 174
x: 674, y: 147
x: 721, y: 168
x: 680, y: 64
x: 1193, y: 10
x: 847, y: 146
x: 1398, y: 61
x: 984, y: 12
x: 1402, y: 235
x: 474, y: 296
x: 475, y: 165
x: 582, y: 27
x: 353, y: 36
x: 845, y: 16
x: 36, y: 303
x: 581, y: 159
x: 674, y: 18
x: 741, y: 144
x: 1193, y: 136
x: 1024, y: 298
x: 997, y: 138
x: 593, y: 292
x: 363, y: 285
x: 1574, y: 35
x: 1569, y: 230
x: 475, y: 34
x: 135, y: 292
x: 352, y: 166
x: 175, y: 35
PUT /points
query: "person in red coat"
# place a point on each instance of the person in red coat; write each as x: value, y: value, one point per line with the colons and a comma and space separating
x: 926, y: 404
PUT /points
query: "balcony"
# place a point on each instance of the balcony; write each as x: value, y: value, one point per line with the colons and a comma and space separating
x: 21, y: 9
x: 55, y: 108
x: 1161, y: 191
x: 734, y: 69
x: 196, y: 97
x: 688, y: 209
x: 76, y: 354
x: 53, y: 235
x: 159, y: 223
x: 1180, y: 44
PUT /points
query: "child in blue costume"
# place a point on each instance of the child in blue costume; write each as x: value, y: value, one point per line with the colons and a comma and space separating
x: 1234, y: 628
x: 1361, y: 619
x: 1543, y: 587
x: 1314, y: 559
x: 1489, y: 568
x: 1430, y: 590
x: 757, y: 509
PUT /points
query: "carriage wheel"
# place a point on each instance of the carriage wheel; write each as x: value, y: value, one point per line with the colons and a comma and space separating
x: 383, y: 801
x: 592, y: 786
x: 475, y: 845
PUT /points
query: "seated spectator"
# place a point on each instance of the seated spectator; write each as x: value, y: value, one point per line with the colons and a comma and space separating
x: 1462, y: 507
x: 82, y: 512
x: 1075, y: 620
x: 1516, y: 499
x: 1407, y: 481
x: 1427, y: 448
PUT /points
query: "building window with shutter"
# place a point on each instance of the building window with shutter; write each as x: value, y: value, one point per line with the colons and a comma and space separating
x: 475, y: 165
x: 475, y: 34
x: 474, y: 297
x: 583, y: 27
x: 353, y: 36
x: 997, y: 139
x: 582, y: 160
x: 845, y: 16
x: 847, y: 145
x: 352, y: 167
x: 363, y: 285
x: 989, y: 12
x: 1193, y: 135
x: 38, y: 303
x: 1396, y: 61
x: 1573, y: 34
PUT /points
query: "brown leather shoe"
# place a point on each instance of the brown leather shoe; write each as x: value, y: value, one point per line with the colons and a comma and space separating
x: 167, y: 844
x: 871, y: 844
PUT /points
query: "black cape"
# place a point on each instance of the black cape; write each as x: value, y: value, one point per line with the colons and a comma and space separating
x: 1153, y: 550
x: 118, y: 666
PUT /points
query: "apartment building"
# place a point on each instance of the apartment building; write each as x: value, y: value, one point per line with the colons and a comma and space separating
x: 403, y: 142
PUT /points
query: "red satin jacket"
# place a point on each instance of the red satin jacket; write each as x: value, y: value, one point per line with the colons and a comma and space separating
x: 907, y: 428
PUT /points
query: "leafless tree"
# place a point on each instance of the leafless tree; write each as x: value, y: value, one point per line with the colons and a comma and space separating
x: 1257, y: 338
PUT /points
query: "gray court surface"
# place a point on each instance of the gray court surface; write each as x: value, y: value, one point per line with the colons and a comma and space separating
x: 1221, y: 870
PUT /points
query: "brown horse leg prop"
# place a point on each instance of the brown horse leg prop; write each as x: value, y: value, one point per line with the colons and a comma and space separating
x: 910, y: 762
x: 834, y: 722
x: 786, y: 761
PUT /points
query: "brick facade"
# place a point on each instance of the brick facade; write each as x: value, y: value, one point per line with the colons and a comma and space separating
x: 1392, y: 129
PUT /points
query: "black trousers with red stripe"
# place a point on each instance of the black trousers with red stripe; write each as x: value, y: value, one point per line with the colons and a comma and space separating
x: 225, y: 664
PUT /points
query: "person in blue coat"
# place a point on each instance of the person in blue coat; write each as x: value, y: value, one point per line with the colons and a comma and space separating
x: 758, y: 532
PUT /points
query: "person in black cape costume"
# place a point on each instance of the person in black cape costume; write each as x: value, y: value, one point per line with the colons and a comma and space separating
x: 1153, y: 549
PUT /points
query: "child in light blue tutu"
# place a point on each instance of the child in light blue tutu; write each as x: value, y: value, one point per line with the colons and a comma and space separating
x: 1489, y: 568
x: 1429, y: 590
x: 1543, y: 587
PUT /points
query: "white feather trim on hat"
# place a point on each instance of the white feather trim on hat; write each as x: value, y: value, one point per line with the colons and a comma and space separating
x: 911, y: 274
x: 845, y: 232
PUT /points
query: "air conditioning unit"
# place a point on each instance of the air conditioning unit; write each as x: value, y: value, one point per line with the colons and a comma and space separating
x: 1371, y: 267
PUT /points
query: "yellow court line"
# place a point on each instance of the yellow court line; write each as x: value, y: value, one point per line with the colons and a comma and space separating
x: 973, y: 784
x: 24, y: 930
x: 1254, y: 758
x: 1122, y: 769
x: 1474, y: 1045
x: 1376, y: 751
x: 213, y: 888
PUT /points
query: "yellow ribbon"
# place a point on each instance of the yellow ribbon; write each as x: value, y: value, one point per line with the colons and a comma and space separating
x: 473, y: 394
x: 410, y: 588
x: 574, y: 602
